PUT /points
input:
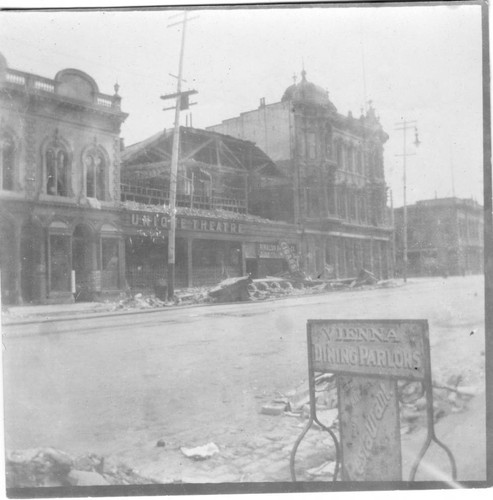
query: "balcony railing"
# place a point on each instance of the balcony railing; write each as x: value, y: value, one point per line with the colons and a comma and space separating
x: 153, y: 196
x: 37, y: 83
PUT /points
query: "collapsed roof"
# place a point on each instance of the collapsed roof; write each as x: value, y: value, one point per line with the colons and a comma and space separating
x: 198, y: 148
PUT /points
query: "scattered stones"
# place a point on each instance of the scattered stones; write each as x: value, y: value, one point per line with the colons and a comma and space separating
x: 89, y: 463
x: 273, y: 408
x: 161, y: 443
x: 327, y: 469
x: 55, y: 468
x: 59, y: 457
x: 328, y: 417
x: 200, y: 452
x: 86, y: 478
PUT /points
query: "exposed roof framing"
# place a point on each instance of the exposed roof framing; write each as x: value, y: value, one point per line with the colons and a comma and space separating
x: 198, y: 147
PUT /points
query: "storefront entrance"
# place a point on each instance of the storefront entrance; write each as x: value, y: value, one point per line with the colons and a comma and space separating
x: 84, y: 259
x: 33, y: 263
x: 8, y: 258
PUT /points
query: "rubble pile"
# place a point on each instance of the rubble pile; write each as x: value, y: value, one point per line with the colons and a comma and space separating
x: 139, y: 301
x: 54, y: 468
x: 244, y: 288
x: 197, y: 295
x: 231, y: 290
x: 261, y: 289
x: 451, y: 397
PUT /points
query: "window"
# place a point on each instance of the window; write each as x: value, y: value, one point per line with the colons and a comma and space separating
x: 352, y: 205
x: 359, y: 163
x: 364, y: 208
x: 60, y: 263
x: 95, y: 168
x: 110, y: 263
x: 340, y: 156
x: 301, y: 145
x: 7, y: 159
x: 350, y: 158
x: 312, y: 199
x: 312, y: 145
x: 341, y: 202
x: 57, y: 170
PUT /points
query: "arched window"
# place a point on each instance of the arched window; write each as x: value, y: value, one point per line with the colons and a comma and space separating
x: 57, y: 166
x: 95, y: 166
x: 7, y: 161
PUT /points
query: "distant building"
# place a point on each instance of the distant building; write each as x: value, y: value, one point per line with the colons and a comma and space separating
x: 445, y: 237
x: 59, y: 171
x: 335, y: 166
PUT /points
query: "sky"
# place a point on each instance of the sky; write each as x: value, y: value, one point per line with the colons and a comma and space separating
x: 418, y: 63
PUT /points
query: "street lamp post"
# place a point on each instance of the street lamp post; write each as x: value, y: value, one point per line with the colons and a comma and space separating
x: 404, y: 126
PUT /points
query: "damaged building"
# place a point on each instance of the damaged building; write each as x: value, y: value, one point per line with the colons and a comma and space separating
x: 290, y: 187
x: 335, y: 166
x: 231, y: 201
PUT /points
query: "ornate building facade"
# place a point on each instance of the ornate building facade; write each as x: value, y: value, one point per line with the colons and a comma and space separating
x: 60, y: 186
x: 290, y: 186
x: 335, y: 165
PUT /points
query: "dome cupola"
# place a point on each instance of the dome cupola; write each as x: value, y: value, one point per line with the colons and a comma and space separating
x: 307, y: 92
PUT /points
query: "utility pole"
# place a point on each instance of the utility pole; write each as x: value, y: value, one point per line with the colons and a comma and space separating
x: 404, y: 126
x: 181, y: 103
x: 392, y: 221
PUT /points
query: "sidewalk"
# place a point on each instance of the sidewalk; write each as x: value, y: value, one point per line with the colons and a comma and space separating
x: 18, y: 314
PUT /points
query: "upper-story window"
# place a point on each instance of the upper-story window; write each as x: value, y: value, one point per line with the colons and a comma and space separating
x: 311, y: 145
x: 95, y: 166
x: 339, y: 156
x: 350, y: 158
x: 57, y: 168
x: 359, y: 162
x: 7, y: 161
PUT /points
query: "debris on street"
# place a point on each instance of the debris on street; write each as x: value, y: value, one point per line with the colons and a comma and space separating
x: 325, y: 470
x: 51, y: 467
x: 231, y: 290
x: 365, y: 278
x: 274, y: 408
x: 200, y: 452
x: 139, y: 301
x: 448, y: 398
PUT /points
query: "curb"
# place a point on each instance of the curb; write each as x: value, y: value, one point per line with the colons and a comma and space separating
x: 12, y: 322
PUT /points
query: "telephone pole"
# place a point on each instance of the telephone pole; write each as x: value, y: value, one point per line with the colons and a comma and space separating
x: 404, y: 126
x: 392, y: 221
x: 181, y: 103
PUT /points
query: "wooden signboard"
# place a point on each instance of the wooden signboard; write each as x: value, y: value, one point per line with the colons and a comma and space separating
x: 368, y: 357
x: 369, y: 428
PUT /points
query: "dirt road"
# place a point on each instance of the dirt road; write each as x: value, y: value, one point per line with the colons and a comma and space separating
x: 190, y: 376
